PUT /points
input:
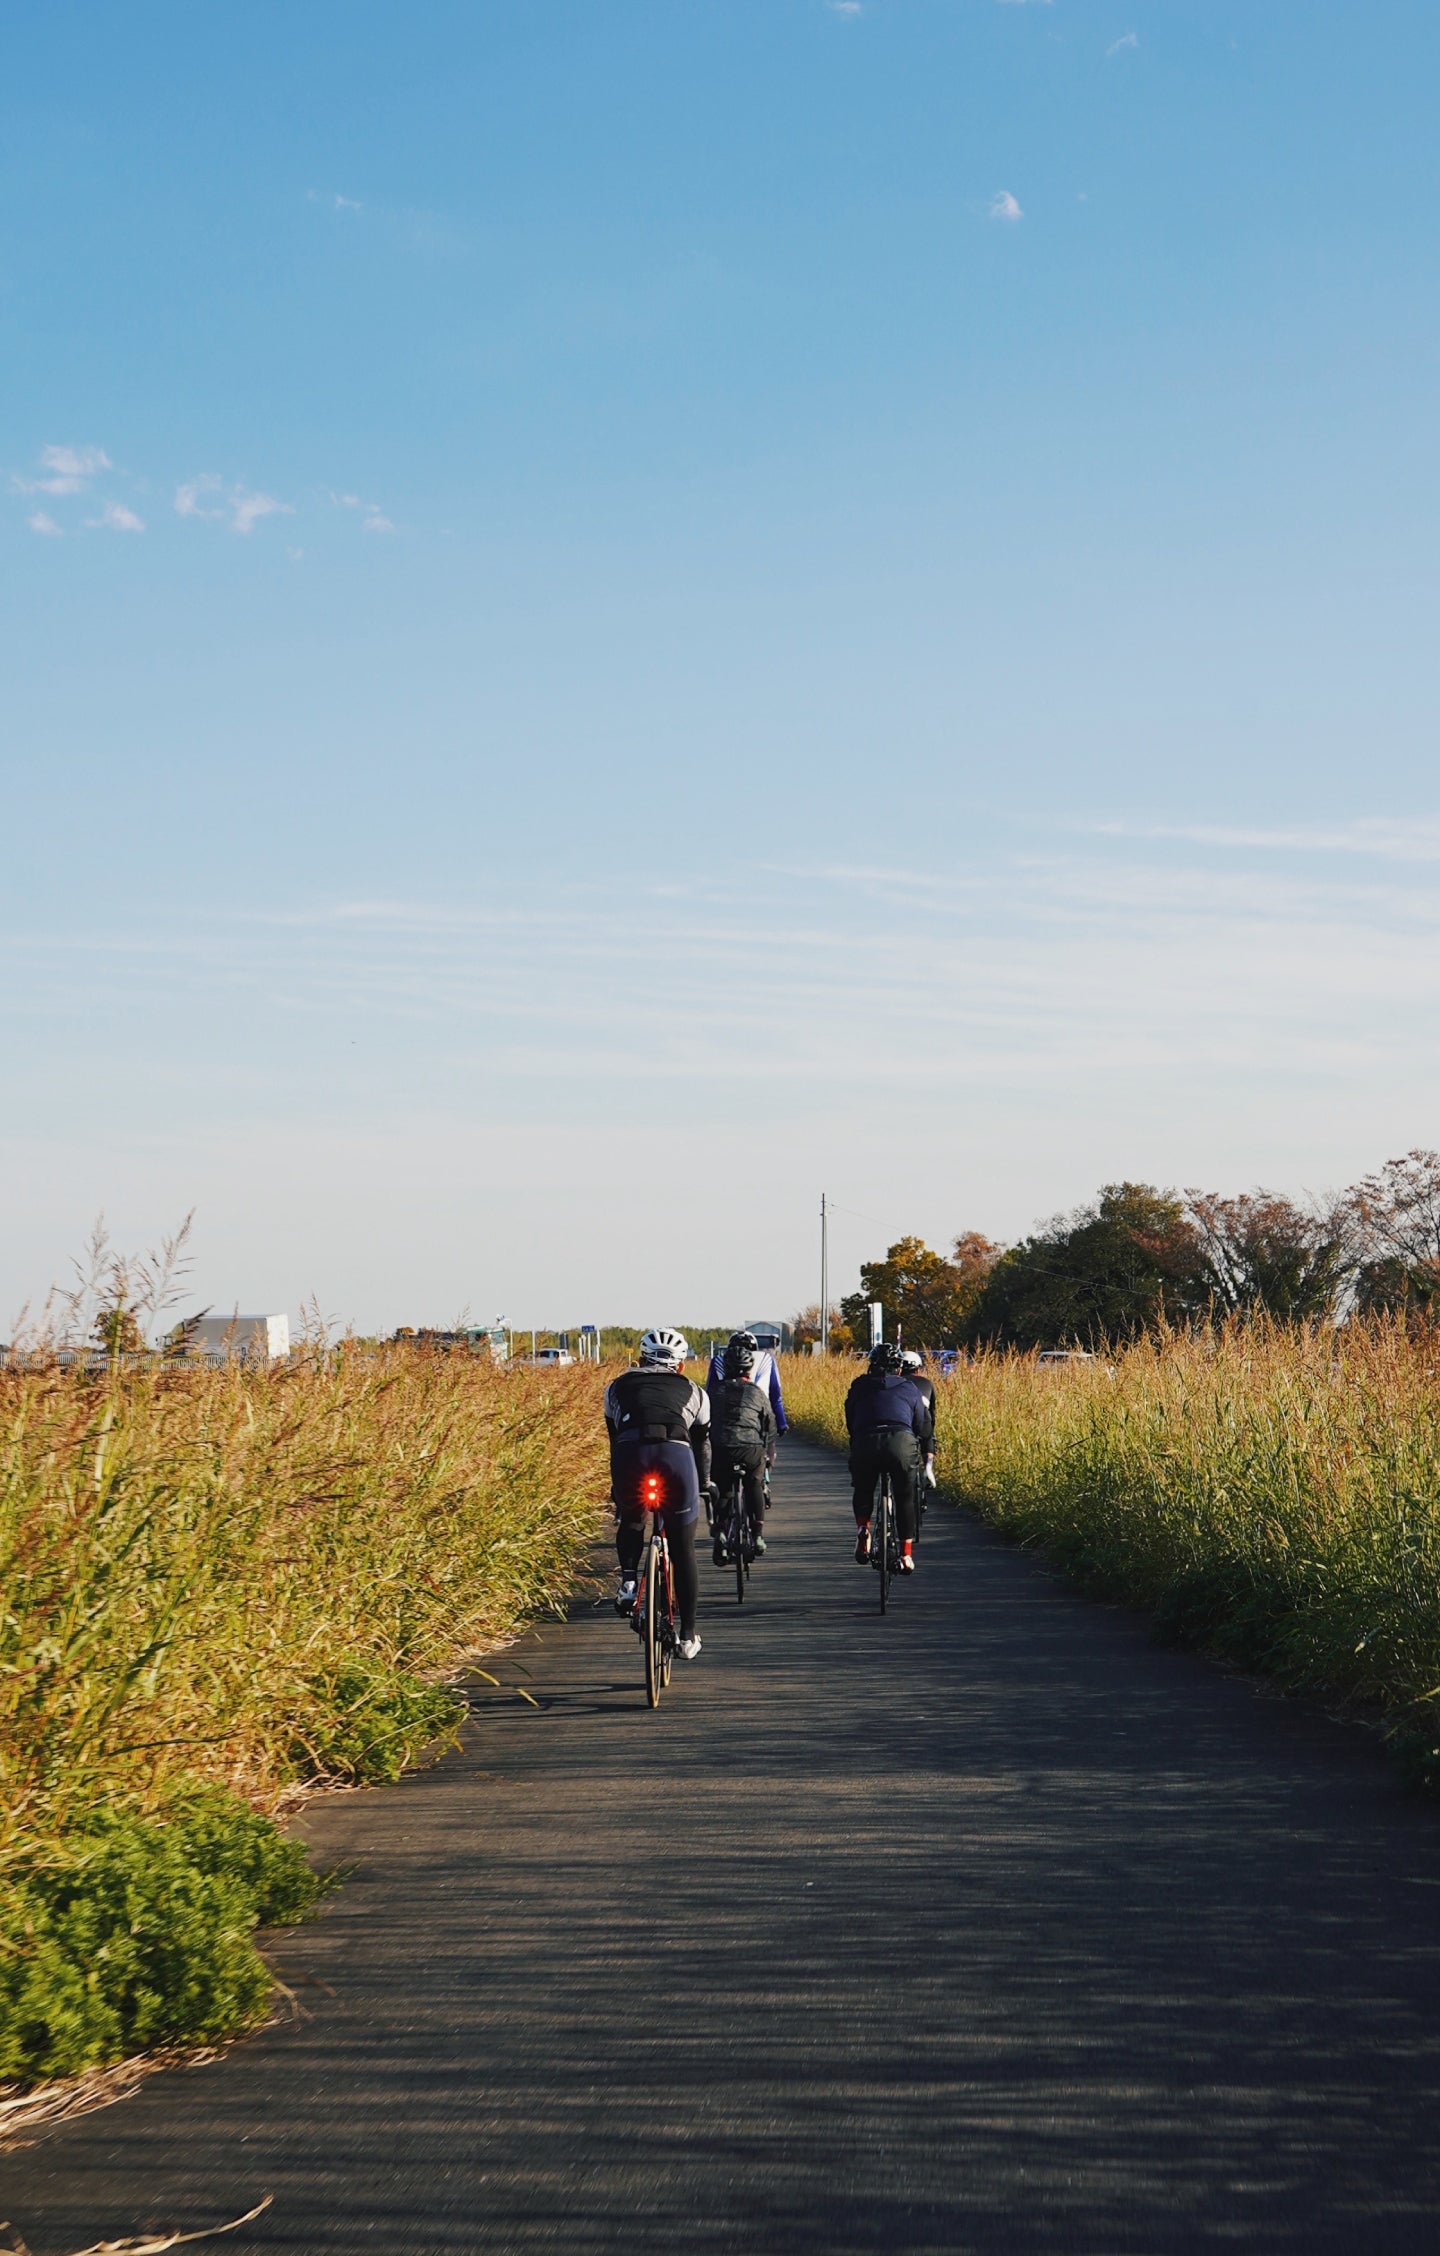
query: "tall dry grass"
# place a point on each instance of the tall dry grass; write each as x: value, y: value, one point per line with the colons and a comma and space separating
x: 220, y: 1584
x: 1269, y: 1492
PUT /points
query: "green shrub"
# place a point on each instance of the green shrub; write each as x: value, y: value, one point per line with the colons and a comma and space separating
x: 133, y: 1932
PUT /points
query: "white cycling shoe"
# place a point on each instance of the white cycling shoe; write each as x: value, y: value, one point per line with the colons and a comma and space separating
x: 625, y: 1595
x: 688, y: 1647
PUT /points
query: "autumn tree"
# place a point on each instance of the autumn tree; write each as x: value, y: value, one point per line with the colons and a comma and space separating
x: 1260, y: 1251
x: 927, y: 1299
x: 1396, y: 1214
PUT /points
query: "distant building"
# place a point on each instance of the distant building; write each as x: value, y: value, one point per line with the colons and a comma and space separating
x: 770, y: 1334
x: 233, y: 1339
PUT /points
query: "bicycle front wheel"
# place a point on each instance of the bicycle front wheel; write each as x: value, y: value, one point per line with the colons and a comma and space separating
x: 738, y: 1534
x: 652, y: 1641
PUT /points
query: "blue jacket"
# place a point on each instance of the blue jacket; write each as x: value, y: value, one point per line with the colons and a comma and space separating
x: 880, y: 1399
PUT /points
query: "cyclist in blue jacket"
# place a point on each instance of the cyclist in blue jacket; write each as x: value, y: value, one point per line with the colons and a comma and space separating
x: 890, y: 1429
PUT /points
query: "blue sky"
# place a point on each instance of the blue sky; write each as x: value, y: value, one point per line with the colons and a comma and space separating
x: 615, y: 613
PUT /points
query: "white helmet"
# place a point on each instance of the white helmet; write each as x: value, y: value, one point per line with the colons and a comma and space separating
x: 912, y: 1359
x: 663, y: 1347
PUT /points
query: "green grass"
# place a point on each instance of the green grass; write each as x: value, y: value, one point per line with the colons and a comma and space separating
x: 221, y: 1586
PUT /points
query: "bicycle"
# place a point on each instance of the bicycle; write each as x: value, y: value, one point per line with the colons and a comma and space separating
x: 654, y: 1615
x: 884, y: 1544
x: 735, y: 1530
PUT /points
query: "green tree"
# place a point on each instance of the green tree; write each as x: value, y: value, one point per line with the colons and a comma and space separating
x: 117, y: 1331
x: 1105, y: 1272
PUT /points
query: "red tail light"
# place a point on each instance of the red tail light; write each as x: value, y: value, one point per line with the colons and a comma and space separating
x: 652, y: 1491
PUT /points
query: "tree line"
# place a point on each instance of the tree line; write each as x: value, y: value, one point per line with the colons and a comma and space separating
x: 1137, y: 1258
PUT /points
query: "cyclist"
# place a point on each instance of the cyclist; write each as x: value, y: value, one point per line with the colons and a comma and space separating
x: 742, y: 1429
x: 889, y: 1428
x: 914, y: 1363
x: 659, y: 1421
x: 765, y: 1375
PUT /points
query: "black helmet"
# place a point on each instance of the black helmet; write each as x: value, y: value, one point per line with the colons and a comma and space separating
x: 738, y: 1361
x: 744, y: 1339
x: 886, y: 1357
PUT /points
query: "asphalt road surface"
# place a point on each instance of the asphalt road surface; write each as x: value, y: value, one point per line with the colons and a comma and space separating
x: 983, y: 1927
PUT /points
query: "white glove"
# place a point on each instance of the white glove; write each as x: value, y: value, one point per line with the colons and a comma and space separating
x: 929, y: 1472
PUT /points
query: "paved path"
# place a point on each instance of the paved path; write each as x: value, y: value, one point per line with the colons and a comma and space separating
x: 987, y: 1927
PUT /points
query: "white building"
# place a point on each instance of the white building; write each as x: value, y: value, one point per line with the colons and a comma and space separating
x: 247, y: 1339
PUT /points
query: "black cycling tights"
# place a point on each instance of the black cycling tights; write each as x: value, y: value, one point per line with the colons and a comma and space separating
x: 630, y: 1542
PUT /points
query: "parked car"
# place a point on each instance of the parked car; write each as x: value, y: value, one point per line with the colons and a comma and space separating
x: 551, y: 1355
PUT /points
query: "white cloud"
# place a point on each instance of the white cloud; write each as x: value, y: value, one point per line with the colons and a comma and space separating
x: 1003, y: 206
x: 1118, y: 46
x: 248, y: 509
x: 40, y: 523
x: 206, y: 497
x: 189, y: 502
x: 843, y: 7
x: 375, y: 519
x: 70, y: 468
x: 332, y: 202
x: 118, y: 518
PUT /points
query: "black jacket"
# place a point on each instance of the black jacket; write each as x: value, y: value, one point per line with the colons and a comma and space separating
x: 741, y: 1419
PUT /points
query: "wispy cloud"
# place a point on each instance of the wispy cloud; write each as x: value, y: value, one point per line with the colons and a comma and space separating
x: 247, y: 509
x: 118, y: 518
x: 41, y: 523
x: 332, y: 201
x: 208, y: 497
x: 844, y: 7
x: 375, y: 519
x: 1414, y: 840
x: 197, y: 498
x: 1118, y: 46
x: 1004, y: 206
x: 68, y: 469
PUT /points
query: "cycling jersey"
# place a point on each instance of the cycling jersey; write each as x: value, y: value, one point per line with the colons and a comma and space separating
x: 658, y: 1421
x: 925, y: 1388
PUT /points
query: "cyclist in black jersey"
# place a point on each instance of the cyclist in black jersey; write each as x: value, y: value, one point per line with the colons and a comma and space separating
x: 742, y: 1432
x: 659, y: 1422
x: 914, y: 1363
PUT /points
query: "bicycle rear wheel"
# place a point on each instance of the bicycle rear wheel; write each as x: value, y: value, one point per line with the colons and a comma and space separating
x: 667, y: 1617
x: 738, y: 1532
x: 887, y: 1522
x: 651, y: 1601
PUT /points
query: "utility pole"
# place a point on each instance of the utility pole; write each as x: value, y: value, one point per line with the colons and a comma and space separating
x: 824, y: 1277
